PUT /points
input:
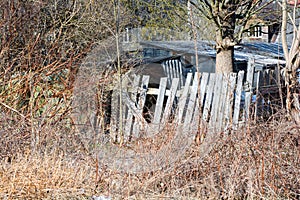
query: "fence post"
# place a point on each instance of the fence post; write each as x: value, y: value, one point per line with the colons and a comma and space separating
x: 248, y: 88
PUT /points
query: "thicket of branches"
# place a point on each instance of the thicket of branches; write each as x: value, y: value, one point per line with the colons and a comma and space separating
x: 42, y: 43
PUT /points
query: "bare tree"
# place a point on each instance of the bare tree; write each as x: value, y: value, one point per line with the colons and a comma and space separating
x: 292, y: 54
x: 226, y: 20
x: 230, y: 18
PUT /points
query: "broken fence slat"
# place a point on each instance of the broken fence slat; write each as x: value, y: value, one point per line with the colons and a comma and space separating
x: 177, y: 71
x: 134, y: 110
x: 257, y: 97
x: 173, y: 70
x: 129, y: 118
x: 170, y: 101
x: 159, y: 103
x: 121, y: 135
x: 142, y: 98
x: 170, y: 72
x: 167, y: 71
x: 204, y: 80
x: 114, y: 114
x: 174, y: 67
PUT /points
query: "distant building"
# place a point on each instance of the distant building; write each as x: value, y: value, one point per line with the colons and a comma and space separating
x: 266, y: 26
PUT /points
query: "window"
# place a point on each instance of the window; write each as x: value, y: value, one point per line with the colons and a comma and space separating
x: 255, y: 32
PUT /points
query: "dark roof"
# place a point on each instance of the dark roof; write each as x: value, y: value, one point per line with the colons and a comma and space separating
x: 263, y: 52
x: 183, y: 47
x: 263, y: 48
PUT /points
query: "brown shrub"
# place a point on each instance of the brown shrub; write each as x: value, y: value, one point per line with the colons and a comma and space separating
x: 258, y: 161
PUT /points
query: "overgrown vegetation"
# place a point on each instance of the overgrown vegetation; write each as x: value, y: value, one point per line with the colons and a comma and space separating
x: 259, y: 161
x: 42, y: 45
x: 44, y: 156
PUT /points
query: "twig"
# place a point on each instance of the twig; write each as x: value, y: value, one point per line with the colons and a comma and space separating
x: 7, y: 106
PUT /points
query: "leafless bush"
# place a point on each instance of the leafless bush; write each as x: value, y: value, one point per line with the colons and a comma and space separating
x: 41, y: 47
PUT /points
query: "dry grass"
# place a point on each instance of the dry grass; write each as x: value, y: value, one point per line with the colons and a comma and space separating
x: 261, y: 161
x: 57, y: 168
x: 49, y: 176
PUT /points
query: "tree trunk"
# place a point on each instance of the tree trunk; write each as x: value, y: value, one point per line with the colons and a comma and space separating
x: 224, y: 60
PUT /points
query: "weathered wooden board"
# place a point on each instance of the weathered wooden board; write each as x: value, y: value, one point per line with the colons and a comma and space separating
x: 182, y: 81
x: 208, y: 99
x: 115, y: 111
x: 228, y: 110
x: 257, y: 98
x: 199, y: 103
x: 191, y: 104
x: 215, y: 102
x: 169, y: 104
x: 204, y: 80
x: 141, y: 102
x: 213, y: 99
x: 183, y: 99
x: 237, y: 100
x: 222, y: 103
x: 159, y: 104
x: 129, y: 119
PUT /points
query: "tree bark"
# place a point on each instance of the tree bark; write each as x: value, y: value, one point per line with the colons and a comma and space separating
x: 224, y: 60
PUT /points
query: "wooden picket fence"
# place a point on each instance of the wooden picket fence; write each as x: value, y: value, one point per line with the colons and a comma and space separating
x: 211, y: 100
x: 173, y: 69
